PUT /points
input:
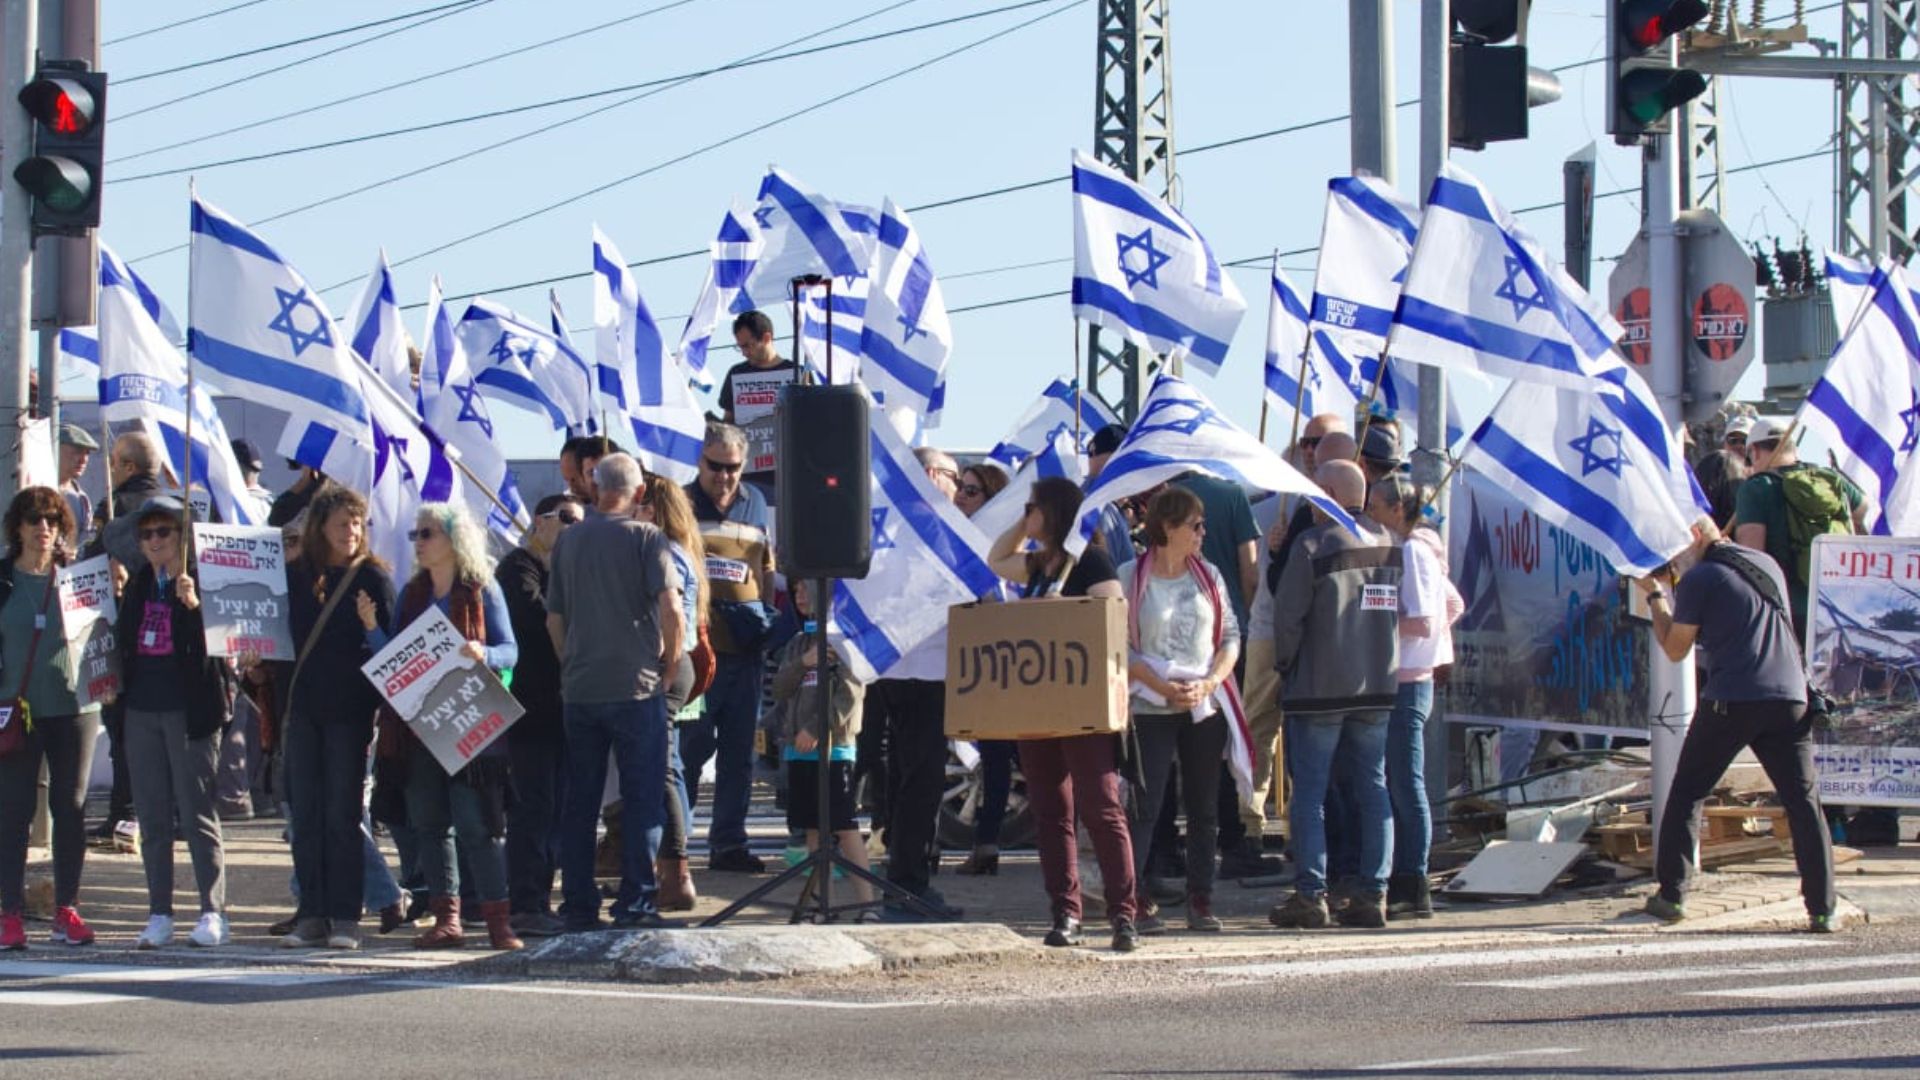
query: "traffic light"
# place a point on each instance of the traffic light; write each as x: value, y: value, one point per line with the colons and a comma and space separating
x: 1492, y: 86
x: 1643, y: 84
x: 69, y: 108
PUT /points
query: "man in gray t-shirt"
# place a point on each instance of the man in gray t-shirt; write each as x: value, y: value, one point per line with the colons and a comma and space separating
x: 613, y: 611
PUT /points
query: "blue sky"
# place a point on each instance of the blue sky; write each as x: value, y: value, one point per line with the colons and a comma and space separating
x: 1005, y: 113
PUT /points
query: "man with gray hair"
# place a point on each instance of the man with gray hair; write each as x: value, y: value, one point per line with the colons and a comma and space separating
x: 613, y: 612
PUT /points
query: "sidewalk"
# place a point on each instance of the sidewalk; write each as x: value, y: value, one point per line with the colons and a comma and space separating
x: 1884, y: 885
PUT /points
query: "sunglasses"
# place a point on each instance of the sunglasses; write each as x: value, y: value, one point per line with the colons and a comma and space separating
x: 41, y: 519
x: 723, y: 467
x: 564, y: 519
x: 972, y: 491
x: 158, y: 532
x: 1031, y: 507
x: 1308, y: 442
x: 1736, y: 440
x: 1197, y: 525
x: 421, y: 535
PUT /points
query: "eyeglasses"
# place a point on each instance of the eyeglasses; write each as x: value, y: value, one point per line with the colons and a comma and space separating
x: 563, y: 519
x: 972, y: 491
x: 41, y: 519
x: 421, y: 535
x: 1308, y: 442
x: 158, y: 532
x: 1736, y: 440
x: 723, y: 467
x: 1197, y: 525
x: 951, y: 474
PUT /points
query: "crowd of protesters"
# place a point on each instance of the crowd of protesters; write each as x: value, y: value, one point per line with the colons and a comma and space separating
x: 638, y: 623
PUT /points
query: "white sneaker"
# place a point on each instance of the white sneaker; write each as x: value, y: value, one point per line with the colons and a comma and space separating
x: 159, y: 932
x: 210, y: 931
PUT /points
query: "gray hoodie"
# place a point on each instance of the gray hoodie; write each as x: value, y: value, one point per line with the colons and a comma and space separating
x: 1336, y: 620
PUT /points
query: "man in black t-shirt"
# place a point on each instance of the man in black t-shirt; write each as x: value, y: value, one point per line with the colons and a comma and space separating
x: 751, y: 390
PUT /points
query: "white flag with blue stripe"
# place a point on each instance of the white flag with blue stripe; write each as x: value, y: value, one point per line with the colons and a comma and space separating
x: 908, y: 337
x: 1867, y: 404
x: 723, y: 295
x: 455, y: 409
x: 267, y: 337
x: 849, y: 303
x: 1482, y: 295
x: 926, y: 557
x: 1051, y: 414
x: 1366, y: 241
x: 143, y: 379
x: 574, y: 368
x: 1288, y: 356
x: 520, y: 363
x: 1140, y: 268
x: 649, y: 386
x: 1179, y: 431
x: 379, y: 336
x: 1849, y: 285
x: 1058, y: 458
x: 1579, y: 460
x: 803, y: 232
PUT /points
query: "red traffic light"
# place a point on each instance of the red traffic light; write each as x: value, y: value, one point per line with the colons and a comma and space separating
x: 63, y: 105
x: 1653, y: 21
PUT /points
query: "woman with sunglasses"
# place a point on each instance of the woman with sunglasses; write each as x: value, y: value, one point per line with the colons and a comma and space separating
x: 978, y: 485
x: 39, y: 529
x: 664, y: 505
x: 178, y: 701
x: 1075, y: 780
x: 453, y: 573
x: 1184, y: 640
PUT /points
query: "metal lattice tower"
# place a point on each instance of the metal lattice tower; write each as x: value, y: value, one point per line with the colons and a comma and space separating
x: 1132, y: 132
x: 1878, y: 132
x: 1703, y: 181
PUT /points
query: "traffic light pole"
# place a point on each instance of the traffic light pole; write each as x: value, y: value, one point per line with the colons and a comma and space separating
x: 19, y: 30
x: 1436, y: 52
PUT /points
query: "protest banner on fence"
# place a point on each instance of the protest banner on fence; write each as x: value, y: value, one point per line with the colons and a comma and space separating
x: 1863, y: 647
x: 451, y: 701
x: 87, y: 615
x: 243, y: 590
x: 1546, y: 640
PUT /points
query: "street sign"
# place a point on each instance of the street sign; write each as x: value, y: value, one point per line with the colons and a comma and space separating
x: 1719, y: 283
x: 1627, y: 298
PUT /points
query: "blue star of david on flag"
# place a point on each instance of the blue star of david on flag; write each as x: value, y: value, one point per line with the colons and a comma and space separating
x: 513, y: 346
x: 881, y: 541
x: 467, y: 393
x: 1912, y: 419
x: 1148, y: 275
x: 1592, y: 448
x: 1509, y: 290
x: 909, y: 327
x: 764, y: 215
x: 394, y: 448
x: 1201, y: 415
x: 284, y: 323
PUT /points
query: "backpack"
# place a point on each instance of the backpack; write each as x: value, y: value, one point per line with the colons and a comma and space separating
x: 1817, y: 505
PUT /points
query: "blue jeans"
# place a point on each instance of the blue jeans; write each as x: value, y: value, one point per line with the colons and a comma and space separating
x: 1407, y: 777
x: 378, y: 891
x: 1354, y: 744
x: 733, y: 712
x: 444, y: 811
x: 636, y: 732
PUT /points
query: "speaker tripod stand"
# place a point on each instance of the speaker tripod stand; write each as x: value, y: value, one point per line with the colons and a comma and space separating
x: 815, y: 901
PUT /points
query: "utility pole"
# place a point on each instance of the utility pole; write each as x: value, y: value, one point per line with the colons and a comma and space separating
x: 19, y: 33
x: 1370, y: 44
x: 1436, y: 47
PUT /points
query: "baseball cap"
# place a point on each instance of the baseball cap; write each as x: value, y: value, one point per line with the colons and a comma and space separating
x: 75, y: 435
x: 1766, y: 429
x: 1740, y: 425
x: 1107, y: 439
x: 248, y: 455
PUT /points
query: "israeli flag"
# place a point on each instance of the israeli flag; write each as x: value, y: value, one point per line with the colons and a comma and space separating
x: 411, y: 466
x: 379, y: 336
x: 520, y: 363
x: 926, y: 557
x: 624, y: 335
x: 452, y: 405
x: 1572, y: 457
x: 1289, y: 355
x: 1179, y: 431
x: 1053, y: 413
x: 143, y: 379
x: 735, y: 251
x: 1143, y: 270
x: 267, y: 337
x: 1058, y: 458
x: 579, y: 377
x: 1850, y: 284
x: 1867, y: 404
x: 1481, y: 295
x: 803, y: 232
x: 848, y: 301
x: 907, y: 336
x: 1366, y: 241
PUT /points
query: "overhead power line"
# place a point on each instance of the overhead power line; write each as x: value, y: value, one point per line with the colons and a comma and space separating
x: 277, y: 46
x: 162, y: 28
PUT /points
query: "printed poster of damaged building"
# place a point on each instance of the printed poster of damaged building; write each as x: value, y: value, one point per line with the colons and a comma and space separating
x: 243, y: 591
x: 453, y: 703
x: 1863, y: 648
x: 1546, y: 640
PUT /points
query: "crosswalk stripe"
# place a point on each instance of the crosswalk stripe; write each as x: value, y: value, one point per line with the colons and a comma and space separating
x: 1812, y: 1025
x: 60, y: 997
x: 1472, y: 1059
x: 660, y: 995
x: 1551, y: 954
x: 1801, y: 991
x: 29, y: 969
x: 1681, y: 974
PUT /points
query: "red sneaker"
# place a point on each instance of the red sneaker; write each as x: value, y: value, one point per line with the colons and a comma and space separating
x: 13, y: 933
x: 70, y: 929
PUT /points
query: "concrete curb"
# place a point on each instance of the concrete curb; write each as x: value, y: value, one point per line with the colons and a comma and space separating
x: 760, y: 953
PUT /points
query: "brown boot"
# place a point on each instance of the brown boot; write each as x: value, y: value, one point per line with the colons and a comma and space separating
x: 446, y: 932
x: 499, y: 934
x: 676, y: 884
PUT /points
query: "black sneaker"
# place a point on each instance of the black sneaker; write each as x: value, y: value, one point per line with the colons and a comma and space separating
x: 1246, y: 860
x: 584, y: 926
x: 1065, y: 932
x: 736, y: 861
x: 1125, y: 937
x: 1149, y: 924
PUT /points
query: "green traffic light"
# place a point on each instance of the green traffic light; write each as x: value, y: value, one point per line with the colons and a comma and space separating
x: 58, y: 183
x: 1648, y: 94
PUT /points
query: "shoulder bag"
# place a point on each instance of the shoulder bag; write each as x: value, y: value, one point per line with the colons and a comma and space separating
x: 16, y: 719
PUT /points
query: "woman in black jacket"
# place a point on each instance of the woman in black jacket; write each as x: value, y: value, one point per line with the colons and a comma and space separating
x: 178, y: 700
x: 330, y: 712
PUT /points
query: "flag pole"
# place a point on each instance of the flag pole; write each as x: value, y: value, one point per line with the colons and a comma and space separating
x: 491, y: 495
x: 1373, y: 395
x: 186, y: 481
x: 1074, y: 379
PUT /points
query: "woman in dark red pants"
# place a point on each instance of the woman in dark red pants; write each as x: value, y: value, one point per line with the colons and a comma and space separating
x: 1073, y: 780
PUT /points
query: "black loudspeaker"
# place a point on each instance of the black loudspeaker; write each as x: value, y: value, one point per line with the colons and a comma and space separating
x: 824, y: 524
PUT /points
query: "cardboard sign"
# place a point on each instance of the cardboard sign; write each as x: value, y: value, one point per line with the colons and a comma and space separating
x: 87, y: 614
x: 756, y: 393
x: 242, y: 574
x: 1863, y: 648
x: 451, y: 701
x: 1037, y: 669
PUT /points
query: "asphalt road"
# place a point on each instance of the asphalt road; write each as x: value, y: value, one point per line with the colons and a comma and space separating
x: 1785, y: 1005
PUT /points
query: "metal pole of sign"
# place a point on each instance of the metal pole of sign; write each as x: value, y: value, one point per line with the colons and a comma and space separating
x: 19, y: 32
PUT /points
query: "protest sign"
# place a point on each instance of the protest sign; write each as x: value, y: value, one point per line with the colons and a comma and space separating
x: 243, y: 591
x: 87, y: 614
x: 1546, y: 640
x: 757, y: 393
x: 1037, y: 669
x: 1863, y: 648
x: 451, y: 701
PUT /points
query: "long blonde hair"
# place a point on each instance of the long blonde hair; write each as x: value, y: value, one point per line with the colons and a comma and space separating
x: 673, y: 515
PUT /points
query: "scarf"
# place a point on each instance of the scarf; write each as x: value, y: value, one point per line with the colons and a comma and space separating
x: 1227, y: 697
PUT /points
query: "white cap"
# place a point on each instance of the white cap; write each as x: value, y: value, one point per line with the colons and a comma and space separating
x: 1766, y: 429
x: 1740, y: 425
